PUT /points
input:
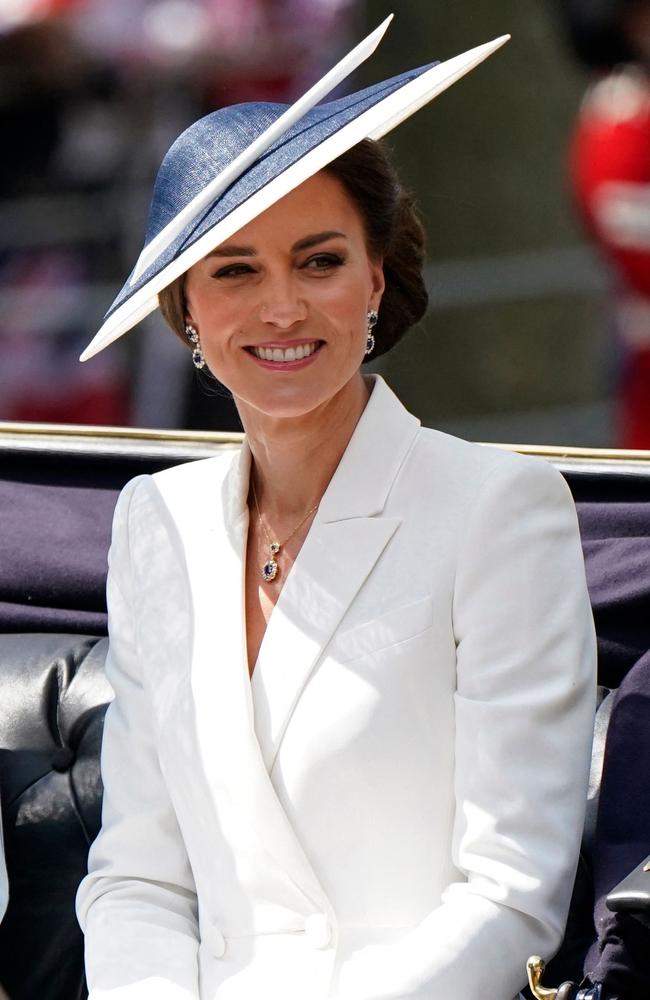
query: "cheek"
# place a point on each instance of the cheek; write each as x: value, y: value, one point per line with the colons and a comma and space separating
x: 208, y: 305
x: 346, y: 304
x: 218, y: 319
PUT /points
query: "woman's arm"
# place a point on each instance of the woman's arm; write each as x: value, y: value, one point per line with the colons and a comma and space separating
x: 524, y: 715
x: 137, y: 905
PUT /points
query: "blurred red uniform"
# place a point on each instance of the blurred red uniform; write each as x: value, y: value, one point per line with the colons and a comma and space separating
x: 610, y: 173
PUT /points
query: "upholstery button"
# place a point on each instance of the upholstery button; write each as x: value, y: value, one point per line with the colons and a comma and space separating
x: 215, y: 940
x: 62, y: 759
x: 318, y: 930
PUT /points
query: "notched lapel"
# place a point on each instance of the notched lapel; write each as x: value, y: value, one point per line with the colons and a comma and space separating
x: 214, y: 528
x: 234, y: 749
x: 334, y: 561
x: 346, y: 539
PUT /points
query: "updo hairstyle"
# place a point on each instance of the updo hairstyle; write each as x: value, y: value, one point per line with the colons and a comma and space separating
x: 393, y: 231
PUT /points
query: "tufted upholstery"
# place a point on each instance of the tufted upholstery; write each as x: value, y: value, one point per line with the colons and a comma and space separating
x: 53, y: 695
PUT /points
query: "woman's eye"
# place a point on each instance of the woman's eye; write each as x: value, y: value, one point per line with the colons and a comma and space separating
x: 323, y: 261
x: 234, y: 271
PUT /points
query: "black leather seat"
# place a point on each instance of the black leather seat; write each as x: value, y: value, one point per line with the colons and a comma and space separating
x: 53, y: 694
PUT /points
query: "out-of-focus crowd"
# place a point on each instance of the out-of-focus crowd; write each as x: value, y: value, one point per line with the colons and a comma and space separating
x: 92, y: 92
x: 609, y: 170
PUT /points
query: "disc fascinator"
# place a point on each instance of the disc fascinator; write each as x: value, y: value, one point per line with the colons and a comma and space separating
x: 229, y: 167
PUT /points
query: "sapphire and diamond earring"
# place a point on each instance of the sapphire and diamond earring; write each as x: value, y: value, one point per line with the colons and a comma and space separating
x: 192, y: 335
x: 372, y: 322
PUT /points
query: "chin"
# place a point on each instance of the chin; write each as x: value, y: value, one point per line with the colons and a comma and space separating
x: 283, y: 402
x: 283, y: 405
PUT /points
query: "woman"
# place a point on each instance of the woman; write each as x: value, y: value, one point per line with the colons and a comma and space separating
x: 349, y: 660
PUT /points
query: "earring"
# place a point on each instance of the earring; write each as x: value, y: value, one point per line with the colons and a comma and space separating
x: 372, y: 322
x: 192, y: 335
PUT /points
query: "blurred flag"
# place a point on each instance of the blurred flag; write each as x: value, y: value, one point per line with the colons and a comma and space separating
x: 16, y: 13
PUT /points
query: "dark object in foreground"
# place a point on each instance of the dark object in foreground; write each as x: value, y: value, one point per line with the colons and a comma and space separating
x: 632, y: 895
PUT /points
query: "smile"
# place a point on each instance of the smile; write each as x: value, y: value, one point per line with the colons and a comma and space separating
x: 281, y: 355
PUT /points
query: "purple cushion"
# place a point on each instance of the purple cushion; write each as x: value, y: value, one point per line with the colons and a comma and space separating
x: 55, y: 527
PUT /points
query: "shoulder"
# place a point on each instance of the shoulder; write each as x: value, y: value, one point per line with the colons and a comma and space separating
x: 189, y: 474
x: 468, y: 470
x: 173, y: 489
x: 443, y: 478
x: 184, y: 476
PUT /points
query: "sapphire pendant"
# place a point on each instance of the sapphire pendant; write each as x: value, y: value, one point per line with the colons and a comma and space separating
x: 270, y: 568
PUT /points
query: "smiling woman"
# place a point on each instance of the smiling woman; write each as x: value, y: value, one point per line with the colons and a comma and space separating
x: 348, y: 662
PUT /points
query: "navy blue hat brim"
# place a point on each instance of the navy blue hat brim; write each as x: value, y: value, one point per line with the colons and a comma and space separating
x: 201, y: 152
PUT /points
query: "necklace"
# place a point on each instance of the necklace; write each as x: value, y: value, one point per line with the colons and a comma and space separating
x: 270, y: 568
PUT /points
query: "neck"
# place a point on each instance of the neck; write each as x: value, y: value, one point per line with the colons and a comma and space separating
x: 295, y: 458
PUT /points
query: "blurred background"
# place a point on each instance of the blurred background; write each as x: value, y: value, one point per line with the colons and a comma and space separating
x: 533, y: 175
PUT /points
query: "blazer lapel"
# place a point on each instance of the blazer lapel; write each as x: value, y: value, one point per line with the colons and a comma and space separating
x: 234, y: 749
x: 215, y: 530
x: 332, y: 565
x: 346, y: 539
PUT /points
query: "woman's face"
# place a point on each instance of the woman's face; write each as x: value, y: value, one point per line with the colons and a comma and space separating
x: 281, y: 308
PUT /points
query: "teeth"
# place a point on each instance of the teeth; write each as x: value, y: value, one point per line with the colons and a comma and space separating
x: 289, y: 354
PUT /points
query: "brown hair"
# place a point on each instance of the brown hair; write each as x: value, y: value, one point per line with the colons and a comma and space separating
x: 393, y: 230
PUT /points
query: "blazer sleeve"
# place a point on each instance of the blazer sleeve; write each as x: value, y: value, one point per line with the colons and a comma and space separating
x: 524, y: 709
x: 137, y: 906
x: 525, y: 702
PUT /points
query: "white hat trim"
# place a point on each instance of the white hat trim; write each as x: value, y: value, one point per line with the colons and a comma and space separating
x: 454, y: 68
x: 373, y: 123
x: 225, y: 178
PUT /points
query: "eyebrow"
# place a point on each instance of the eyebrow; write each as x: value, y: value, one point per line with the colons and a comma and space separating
x: 316, y: 238
x: 233, y: 250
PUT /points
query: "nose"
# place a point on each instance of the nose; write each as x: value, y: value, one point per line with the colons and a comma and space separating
x: 281, y: 304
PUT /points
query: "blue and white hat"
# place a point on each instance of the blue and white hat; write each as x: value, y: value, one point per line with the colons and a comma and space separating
x: 230, y: 166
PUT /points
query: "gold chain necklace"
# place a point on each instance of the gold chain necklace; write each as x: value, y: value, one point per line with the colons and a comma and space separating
x: 270, y: 568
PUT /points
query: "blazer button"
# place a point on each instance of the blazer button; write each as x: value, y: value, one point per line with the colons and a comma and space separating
x: 215, y: 940
x: 318, y: 930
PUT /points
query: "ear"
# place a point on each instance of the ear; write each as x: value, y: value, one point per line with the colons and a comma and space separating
x: 184, y: 301
x: 377, y: 283
x: 186, y: 309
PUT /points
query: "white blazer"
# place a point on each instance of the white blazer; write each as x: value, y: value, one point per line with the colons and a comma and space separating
x: 393, y: 807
